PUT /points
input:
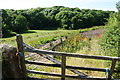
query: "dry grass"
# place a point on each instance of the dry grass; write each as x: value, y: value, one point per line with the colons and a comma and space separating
x: 94, y: 50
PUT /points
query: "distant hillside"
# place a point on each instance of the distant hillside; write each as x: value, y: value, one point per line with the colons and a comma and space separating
x: 56, y: 17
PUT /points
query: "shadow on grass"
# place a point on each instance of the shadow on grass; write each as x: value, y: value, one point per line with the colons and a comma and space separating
x: 14, y: 34
x: 26, y: 32
x: 8, y: 35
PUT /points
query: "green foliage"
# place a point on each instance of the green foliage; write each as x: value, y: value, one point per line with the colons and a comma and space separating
x: 89, y: 29
x: 72, y: 44
x: 56, y: 17
x: 6, y: 24
x: 111, y: 39
x: 75, y: 42
x: 20, y: 24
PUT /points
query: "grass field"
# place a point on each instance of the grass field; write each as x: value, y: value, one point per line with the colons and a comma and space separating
x: 36, y: 37
x: 90, y: 47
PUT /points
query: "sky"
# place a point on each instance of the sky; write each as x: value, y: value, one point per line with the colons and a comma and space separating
x: 82, y: 4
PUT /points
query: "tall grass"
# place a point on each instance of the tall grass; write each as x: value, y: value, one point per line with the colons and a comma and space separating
x: 80, y: 45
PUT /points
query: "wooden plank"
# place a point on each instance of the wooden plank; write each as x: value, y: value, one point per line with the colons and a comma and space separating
x: 30, y: 55
x: 86, y: 68
x: 22, y: 57
x: 43, y: 73
x: 63, y: 64
x: 57, y: 62
x: 69, y: 76
x: 111, y: 69
x: 38, y: 51
x: 43, y: 64
x: 66, y: 37
x: 69, y: 67
x: 61, y: 40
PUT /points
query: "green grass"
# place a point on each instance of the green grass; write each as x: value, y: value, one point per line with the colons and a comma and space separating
x: 89, y: 46
x: 75, y: 44
x: 78, y: 45
x: 92, y: 28
x: 36, y: 37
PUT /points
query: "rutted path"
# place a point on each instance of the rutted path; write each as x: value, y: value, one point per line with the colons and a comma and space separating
x: 93, y: 33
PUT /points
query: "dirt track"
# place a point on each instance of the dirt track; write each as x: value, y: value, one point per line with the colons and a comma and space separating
x: 93, y: 33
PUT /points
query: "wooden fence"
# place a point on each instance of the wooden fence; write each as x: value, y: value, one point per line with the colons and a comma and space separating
x: 22, y: 47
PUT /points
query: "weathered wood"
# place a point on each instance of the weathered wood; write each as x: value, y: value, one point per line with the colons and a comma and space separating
x: 111, y: 69
x: 38, y: 51
x: 61, y: 40
x: 69, y: 67
x: 21, y: 56
x: 10, y: 63
x: 47, y: 45
x: 43, y: 73
x: 43, y: 64
x: 52, y: 43
x: 69, y: 76
x: 29, y: 55
x: 42, y: 52
x: 66, y: 37
x: 63, y: 64
x: 57, y: 62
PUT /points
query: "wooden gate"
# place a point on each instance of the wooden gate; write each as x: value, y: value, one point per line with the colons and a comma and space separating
x: 22, y: 47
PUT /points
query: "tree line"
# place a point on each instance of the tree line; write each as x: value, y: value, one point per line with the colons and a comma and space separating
x: 56, y: 17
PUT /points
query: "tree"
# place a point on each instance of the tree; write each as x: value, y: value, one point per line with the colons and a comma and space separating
x: 6, y: 23
x: 88, y: 20
x: 52, y: 18
x: 20, y: 24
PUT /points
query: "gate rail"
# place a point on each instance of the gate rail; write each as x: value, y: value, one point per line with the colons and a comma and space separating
x: 63, y: 65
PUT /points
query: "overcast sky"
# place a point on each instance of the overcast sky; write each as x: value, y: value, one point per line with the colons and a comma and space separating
x: 82, y: 4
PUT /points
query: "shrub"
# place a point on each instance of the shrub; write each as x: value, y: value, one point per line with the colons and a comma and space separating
x: 110, y: 41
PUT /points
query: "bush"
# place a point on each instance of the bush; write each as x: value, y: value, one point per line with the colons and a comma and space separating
x: 20, y: 24
x: 110, y: 41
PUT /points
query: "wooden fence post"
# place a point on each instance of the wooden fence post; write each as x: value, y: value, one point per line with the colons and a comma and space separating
x: 111, y: 69
x: 63, y: 64
x: 51, y: 44
x: 21, y: 54
x: 66, y: 37
x: 10, y: 63
x: 61, y: 40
